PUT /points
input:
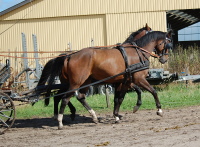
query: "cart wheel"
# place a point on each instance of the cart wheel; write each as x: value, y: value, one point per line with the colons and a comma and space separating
x: 102, y: 89
x: 7, y: 112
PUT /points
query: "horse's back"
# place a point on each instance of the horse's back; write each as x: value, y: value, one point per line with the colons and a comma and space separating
x: 97, y: 63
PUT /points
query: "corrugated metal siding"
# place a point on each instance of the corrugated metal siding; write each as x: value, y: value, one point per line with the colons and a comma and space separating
x: 58, y: 8
x: 54, y: 34
x: 119, y: 26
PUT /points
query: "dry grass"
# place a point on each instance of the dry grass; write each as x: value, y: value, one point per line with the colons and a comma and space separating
x: 185, y: 60
x: 181, y: 60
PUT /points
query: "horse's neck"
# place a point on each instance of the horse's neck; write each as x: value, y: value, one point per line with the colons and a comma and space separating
x: 150, y: 47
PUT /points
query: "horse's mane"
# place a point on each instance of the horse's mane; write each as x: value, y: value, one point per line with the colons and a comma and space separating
x: 152, y: 36
x: 133, y: 34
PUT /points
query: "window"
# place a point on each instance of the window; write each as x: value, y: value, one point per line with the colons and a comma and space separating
x: 190, y: 33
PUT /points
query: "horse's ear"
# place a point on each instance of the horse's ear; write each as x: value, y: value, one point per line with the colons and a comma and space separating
x: 169, y: 33
x: 147, y: 27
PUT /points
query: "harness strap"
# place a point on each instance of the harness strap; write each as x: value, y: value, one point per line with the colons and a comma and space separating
x: 133, y: 43
x: 128, y: 71
x: 142, y: 65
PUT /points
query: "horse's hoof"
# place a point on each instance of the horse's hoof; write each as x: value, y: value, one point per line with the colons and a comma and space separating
x: 120, y: 117
x: 117, y: 119
x: 95, y: 121
x: 100, y: 120
x: 117, y: 122
x: 160, y: 113
x: 135, y: 109
x: 55, y: 117
x: 60, y: 128
x: 72, y: 116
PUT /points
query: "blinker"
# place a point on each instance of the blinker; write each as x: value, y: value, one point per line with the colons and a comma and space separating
x: 168, y: 46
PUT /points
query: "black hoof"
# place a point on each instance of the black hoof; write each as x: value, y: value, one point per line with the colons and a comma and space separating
x: 117, y: 122
x: 72, y: 116
x: 120, y: 117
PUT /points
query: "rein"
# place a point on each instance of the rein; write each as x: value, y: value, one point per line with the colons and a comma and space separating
x: 152, y: 54
x: 77, y: 89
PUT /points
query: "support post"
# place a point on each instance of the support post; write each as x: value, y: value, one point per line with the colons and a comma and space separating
x: 38, y: 69
x: 25, y: 59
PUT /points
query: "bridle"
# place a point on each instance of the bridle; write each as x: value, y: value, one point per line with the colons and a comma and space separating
x: 149, y: 31
x: 146, y: 32
x: 167, y: 46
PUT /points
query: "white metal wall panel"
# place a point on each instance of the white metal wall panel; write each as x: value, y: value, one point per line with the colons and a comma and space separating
x: 58, y: 8
x: 119, y: 26
x: 54, y: 34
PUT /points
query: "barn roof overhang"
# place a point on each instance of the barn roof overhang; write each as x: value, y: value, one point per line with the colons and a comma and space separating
x: 179, y: 19
x: 15, y: 6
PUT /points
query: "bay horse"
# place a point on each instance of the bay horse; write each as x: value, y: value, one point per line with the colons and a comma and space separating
x: 90, y: 64
x: 45, y: 75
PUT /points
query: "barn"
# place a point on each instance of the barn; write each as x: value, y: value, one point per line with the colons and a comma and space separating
x: 63, y: 25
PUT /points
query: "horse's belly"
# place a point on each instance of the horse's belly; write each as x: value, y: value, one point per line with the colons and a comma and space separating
x: 109, y: 75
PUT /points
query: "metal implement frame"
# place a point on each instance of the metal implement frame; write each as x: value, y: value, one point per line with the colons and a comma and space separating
x: 37, y: 71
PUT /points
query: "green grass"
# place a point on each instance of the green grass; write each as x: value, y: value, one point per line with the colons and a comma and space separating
x: 171, y: 96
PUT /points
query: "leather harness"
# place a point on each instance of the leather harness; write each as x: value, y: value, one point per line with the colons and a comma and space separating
x: 130, y: 69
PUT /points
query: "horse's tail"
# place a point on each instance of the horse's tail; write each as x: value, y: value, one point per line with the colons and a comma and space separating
x: 44, y: 77
x: 45, y: 72
x: 55, y: 71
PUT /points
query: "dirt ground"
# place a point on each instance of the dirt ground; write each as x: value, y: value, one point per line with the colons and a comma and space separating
x: 177, y: 128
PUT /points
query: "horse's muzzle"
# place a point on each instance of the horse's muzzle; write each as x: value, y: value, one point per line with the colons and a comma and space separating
x: 162, y: 60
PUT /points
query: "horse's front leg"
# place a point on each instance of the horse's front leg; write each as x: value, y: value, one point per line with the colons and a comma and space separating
x: 81, y: 98
x: 139, y: 100
x: 143, y: 83
x: 120, y: 92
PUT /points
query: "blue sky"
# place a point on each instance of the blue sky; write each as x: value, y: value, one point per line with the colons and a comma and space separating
x: 190, y: 33
x: 4, y: 4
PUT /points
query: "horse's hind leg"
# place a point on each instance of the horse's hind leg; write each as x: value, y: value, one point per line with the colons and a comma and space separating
x: 71, y: 107
x: 56, y: 102
x: 72, y: 110
x: 64, y: 102
x: 81, y: 99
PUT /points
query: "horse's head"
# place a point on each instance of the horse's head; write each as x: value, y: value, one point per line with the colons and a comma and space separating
x: 163, y: 46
